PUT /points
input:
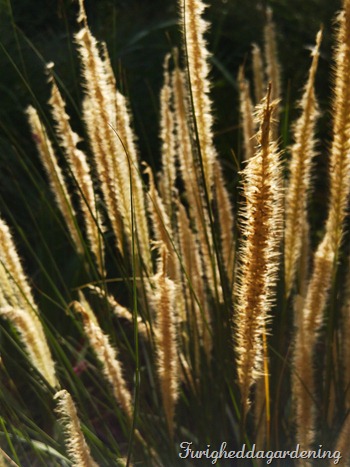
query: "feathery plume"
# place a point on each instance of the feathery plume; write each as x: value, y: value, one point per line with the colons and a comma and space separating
x: 184, y: 148
x: 77, y: 448
x: 80, y: 169
x: 124, y: 130
x: 27, y: 325
x: 309, y: 324
x: 226, y: 222
x: 166, y: 337
x: 108, y: 357
x: 10, y: 261
x: 195, y: 292
x: 258, y: 255
x: 125, y: 133
x: 54, y: 174
x: 104, y: 171
x: 119, y: 310
x: 113, y: 143
x: 340, y: 150
x: 99, y: 115
x: 302, y: 154
x: 197, y: 54
x: 189, y: 170
x: 18, y: 306
x: 163, y: 231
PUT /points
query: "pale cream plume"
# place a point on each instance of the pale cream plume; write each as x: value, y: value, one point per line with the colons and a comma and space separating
x: 104, y: 171
x: 119, y: 310
x: 122, y: 124
x: 189, y: 170
x: 197, y: 54
x: 54, y: 174
x: 99, y: 115
x: 163, y: 304
x: 124, y: 130
x: 302, y: 154
x: 77, y: 448
x: 163, y: 231
x: 340, y: 150
x: 10, y: 260
x: 184, y: 148
x: 194, y: 288
x: 258, y: 255
x: 308, y: 324
x: 226, y: 222
x: 30, y: 330
x: 80, y: 169
x: 108, y: 357
x: 18, y: 306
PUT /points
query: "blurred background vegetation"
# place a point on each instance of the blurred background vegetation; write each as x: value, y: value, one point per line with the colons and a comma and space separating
x: 138, y: 34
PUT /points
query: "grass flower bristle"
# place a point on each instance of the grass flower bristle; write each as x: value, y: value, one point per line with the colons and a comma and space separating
x: 258, y: 258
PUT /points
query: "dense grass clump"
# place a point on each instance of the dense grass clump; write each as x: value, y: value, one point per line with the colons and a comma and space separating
x: 175, y: 311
